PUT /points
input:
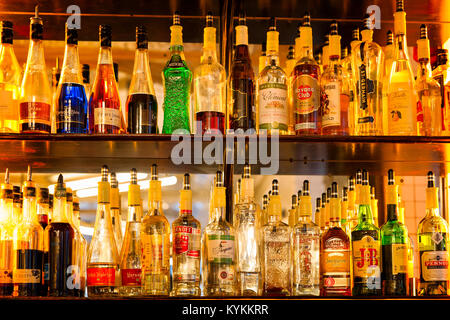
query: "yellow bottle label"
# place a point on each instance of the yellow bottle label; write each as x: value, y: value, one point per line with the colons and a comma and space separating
x: 306, y: 90
x: 434, y: 265
x: 366, y: 257
x: 399, y: 258
x: 402, y: 107
x: 336, y: 264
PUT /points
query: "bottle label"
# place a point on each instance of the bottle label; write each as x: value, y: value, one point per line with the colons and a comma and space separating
x: 187, y: 241
x: 363, y: 87
x: 35, y: 112
x: 331, y: 105
x: 221, y: 249
x: 434, y: 265
x: 101, y: 276
x: 336, y: 264
x: 242, y: 94
x: 306, y: 94
x: 399, y: 258
x: 131, y: 277
x: 277, y: 255
x: 46, y: 271
x: 155, y: 257
x: 6, y: 276
x: 402, y: 109
x: 27, y: 276
x: 307, y: 246
x: 8, y: 106
x: 107, y: 116
x: 273, y: 112
x: 366, y: 261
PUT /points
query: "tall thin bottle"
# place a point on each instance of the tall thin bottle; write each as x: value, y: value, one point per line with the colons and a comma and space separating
x: 177, y: 80
x: 6, y: 237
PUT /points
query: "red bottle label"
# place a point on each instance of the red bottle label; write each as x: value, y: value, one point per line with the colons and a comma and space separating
x: 101, y: 276
x: 131, y: 277
x: 187, y: 240
x: 35, y: 111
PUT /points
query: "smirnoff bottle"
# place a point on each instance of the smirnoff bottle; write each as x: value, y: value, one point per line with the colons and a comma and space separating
x: 6, y: 237
x: 186, y: 235
x: 36, y: 96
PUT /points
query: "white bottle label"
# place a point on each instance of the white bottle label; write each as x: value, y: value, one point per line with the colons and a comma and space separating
x: 8, y: 107
x: 107, y: 116
x: 221, y: 249
x: 331, y: 105
x: 273, y: 112
x: 434, y: 265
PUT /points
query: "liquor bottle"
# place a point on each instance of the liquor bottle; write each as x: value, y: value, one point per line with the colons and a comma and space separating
x: 28, y: 246
x: 440, y: 74
x: 326, y: 53
x: 347, y: 74
x: 394, y: 238
x: 354, y: 46
x: 292, y: 218
x: 116, y: 220
x: 305, y: 85
x: 142, y: 107
x: 276, y: 245
x: 177, y: 83
x: 10, y: 77
x: 368, y: 63
x: 317, y: 212
x: 82, y: 246
x: 272, y: 106
x: 241, y: 96
x: 323, y: 214
x: 102, y: 258
x: 248, y: 240
x: 334, y: 90
x: 306, y: 239
x: 389, y: 57
x: 131, y: 253
x: 42, y: 207
x: 432, y: 235
x: 209, y: 86
x: 105, y: 115
x: 428, y: 89
x: 86, y: 79
x: 264, y: 60
x: 402, y: 97
x: 219, y: 248
x: 291, y: 61
x: 6, y: 237
x: 35, y: 97
x: 71, y: 102
x: 327, y: 208
x: 374, y: 206
x: 335, y: 248
x: 236, y: 201
x: 50, y: 207
x: 345, y: 218
x: 155, y: 239
x: 352, y: 215
x: 186, y: 235
x: 366, y: 247
x: 265, y: 204
x: 358, y: 189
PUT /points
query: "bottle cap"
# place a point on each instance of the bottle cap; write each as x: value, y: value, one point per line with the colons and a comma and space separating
x: 241, y: 31
x: 334, y: 40
x: 176, y: 31
x: 391, y: 189
x: 306, y: 32
x: 273, y: 37
x: 219, y: 193
x: 186, y: 195
x: 389, y: 38
x: 432, y: 192
x: 154, y: 191
x: 335, y: 203
x: 71, y: 36
x: 400, y: 18
x: 423, y: 44
x: 105, y: 36
x: 103, y: 186
x: 36, y: 25
x: 141, y: 37
x: 7, y: 32
x: 247, y: 184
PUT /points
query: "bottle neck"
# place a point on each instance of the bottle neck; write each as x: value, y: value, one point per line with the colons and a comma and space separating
x: 29, y: 210
x: 219, y: 214
x: 155, y: 208
x: 71, y: 71
x: 141, y: 80
x: 6, y: 210
x: 35, y: 59
x: 134, y: 213
x: 59, y: 209
x: 424, y: 69
x: 241, y: 52
x: 209, y: 55
x: 105, y: 56
x: 401, y: 48
x: 392, y: 212
x: 76, y: 219
x: 306, y: 52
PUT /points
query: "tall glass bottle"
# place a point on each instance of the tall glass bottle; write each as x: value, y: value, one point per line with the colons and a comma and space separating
x: 142, y: 107
x: 116, y: 220
x: 103, y: 258
x: 389, y: 55
x: 241, y: 95
x: 305, y: 85
x: 186, y: 237
x: 441, y: 75
x: 345, y: 218
x: 28, y: 246
x: 105, y: 115
x: 290, y: 61
x: 323, y: 214
x: 292, y: 218
x: 248, y: 240
x: 35, y: 94
x: 272, y: 105
x: 352, y: 215
x: 71, y: 102
x: 325, y: 53
x: 155, y: 239
x: 317, y: 212
x: 10, y: 77
x: 82, y: 246
x: 263, y: 60
x: 428, y: 89
x: 17, y: 205
x: 374, y: 206
x: 347, y: 73
x: 335, y: 258
x: 277, y: 252
x: 131, y: 253
x: 6, y: 237
x: 432, y: 238
x: 366, y: 247
x: 306, y: 246
x: 177, y: 83
x: 210, y: 86
x: 42, y: 206
x: 335, y: 90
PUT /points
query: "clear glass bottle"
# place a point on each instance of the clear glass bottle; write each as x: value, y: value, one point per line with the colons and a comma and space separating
x: 441, y: 75
x: 432, y: 241
x: 248, y: 240
x: 6, y: 237
x: 103, y: 257
x: 155, y: 239
x: 186, y: 237
x: 347, y: 73
x: 306, y: 247
x: 389, y: 57
x: 272, y: 90
x: 277, y: 250
x: 116, y: 219
x: 82, y: 246
x: 35, y: 94
x: 131, y: 253
x: 10, y: 77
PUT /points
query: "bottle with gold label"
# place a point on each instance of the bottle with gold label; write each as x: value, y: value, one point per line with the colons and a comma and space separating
x: 394, y: 239
x: 335, y: 253
x: 155, y: 241
x: 6, y: 237
x: 432, y: 238
x: 292, y: 218
x: 366, y: 247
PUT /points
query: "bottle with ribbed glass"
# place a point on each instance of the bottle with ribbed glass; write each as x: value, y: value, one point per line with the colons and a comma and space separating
x: 81, y: 243
x: 103, y: 257
x: 277, y: 252
x: 219, y: 248
x: 36, y: 96
x: 432, y: 238
x: 142, y: 107
x: 177, y: 80
x: 186, y: 237
x: 248, y: 239
x: 428, y: 89
x: 441, y: 75
x: 71, y: 102
x: 116, y: 220
x: 272, y: 104
x: 155, y: 239
x: 306, y: 247
x: 209, y: 86
x: 292, y: 217
x: 10, y: 77
x: 6, y: 237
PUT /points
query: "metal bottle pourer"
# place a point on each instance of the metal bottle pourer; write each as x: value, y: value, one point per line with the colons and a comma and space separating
x: 327, y: 40
x: 275, y: 187
x: 265, y: 201
x: 247, y: 171
x: 294, y: 201
x: 345, y: 194
x: 273, y: 24
x: 154, y: 172
x: 104, y: 172
x: 334, y: 190
x: 423, y: 32
x: 334, y: 28
x: 114, y: 182
x: 329, y: 191
x: 400, y: 6
x: 324, y: 199
x: 209, y: 19
x: 391, y: 177
x: 242, y: 19
x: 133, y: 174
x: 299, y: 194
x: 291, y: 53
x: 306, y: 19
x: 187, y: 182
x: 306, y: 188
x: 318, y: 204
x: 390, y: 38
x: 365, y: 178
x: 359, y: 176
x: 36, y: 18
x: 176, y: 18
x: 356, y: 36
x: 219, y: 179
x: 366, y: 22
x: 351, y: 183
x: 430, y: 179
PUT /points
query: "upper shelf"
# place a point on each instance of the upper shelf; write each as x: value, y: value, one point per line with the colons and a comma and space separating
x: 299, y: 155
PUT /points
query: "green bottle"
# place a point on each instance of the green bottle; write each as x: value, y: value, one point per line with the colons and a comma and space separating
x: 177, y: 83
x: 366, y: 247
